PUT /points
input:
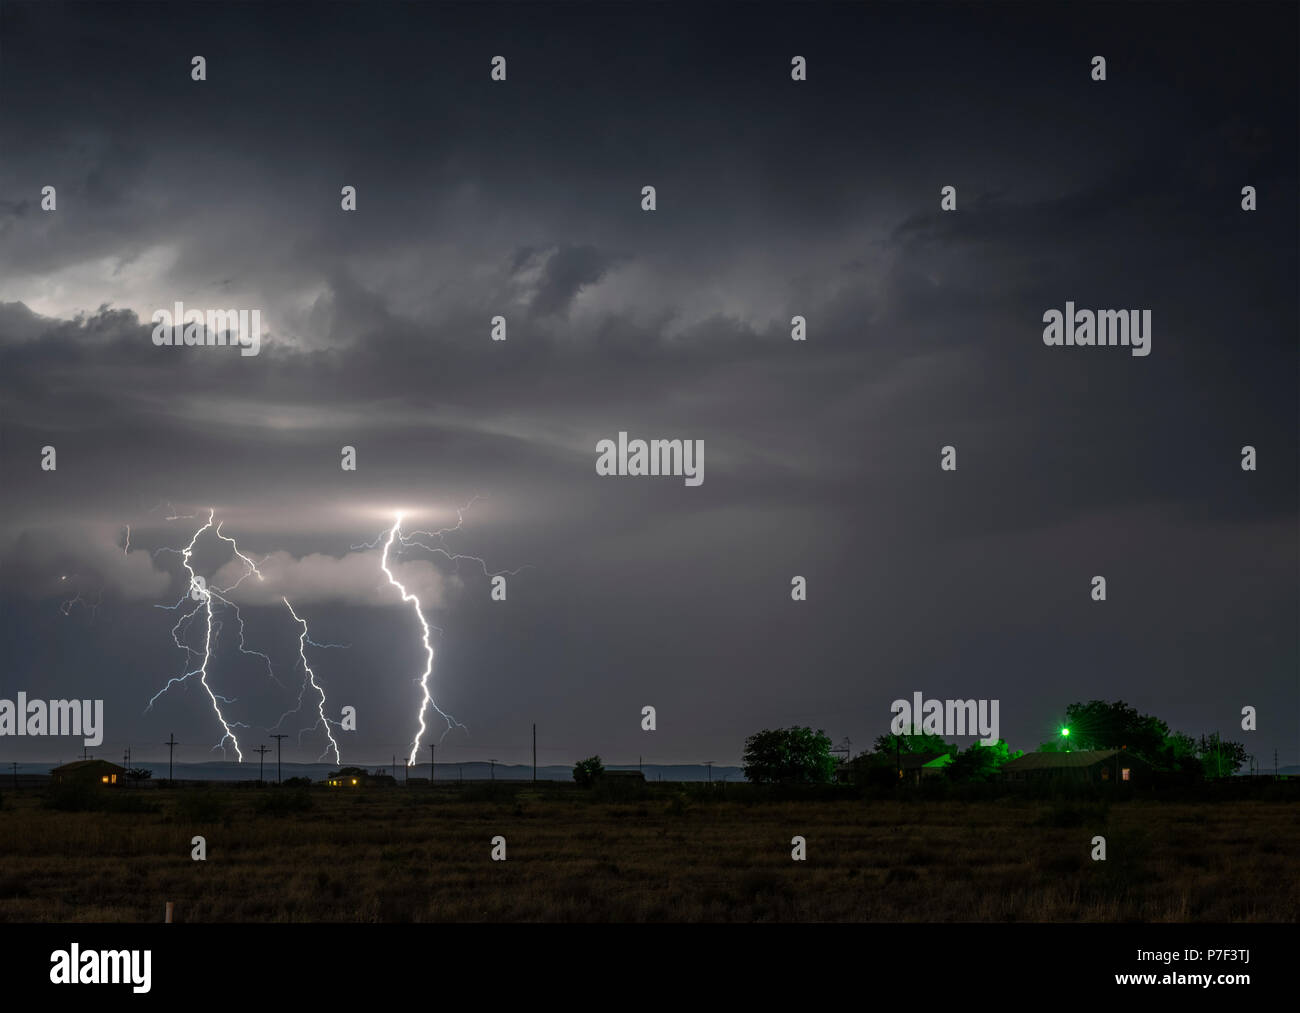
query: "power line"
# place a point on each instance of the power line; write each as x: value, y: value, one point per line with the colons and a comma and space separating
x: 171, y: 745
x: 277, y: 755
x: 263, y: 749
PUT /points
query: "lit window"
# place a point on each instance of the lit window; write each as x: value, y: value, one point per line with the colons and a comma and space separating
x: 1125, y: 773
x: 104, y: 779
x: 115, y: 779
x: 354, y: 780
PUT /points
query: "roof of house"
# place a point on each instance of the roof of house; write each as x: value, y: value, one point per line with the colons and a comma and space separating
x: 76, y: 765
x: 912, y: 761
x: 1059, y: 761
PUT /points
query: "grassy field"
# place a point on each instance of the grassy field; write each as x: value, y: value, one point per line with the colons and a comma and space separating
x: 399, y: 855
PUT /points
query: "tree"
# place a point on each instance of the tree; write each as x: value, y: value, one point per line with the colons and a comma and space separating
x: 1220, y: 758
x: 1098, y: 724
x: 980, y: 762
x: 587, y: 771
x: 789, y: 754
x: 913, y: 742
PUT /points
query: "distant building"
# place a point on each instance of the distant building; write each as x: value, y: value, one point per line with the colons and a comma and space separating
x: 1098, y: 766
x: 914, y: 766
x: 89, y: 772
x: 359, y: 777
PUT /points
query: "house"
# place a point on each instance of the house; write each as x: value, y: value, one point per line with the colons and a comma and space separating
x: 912, y: 767
x: 1096, y: 766
x: 358, y: 777
x: 89, y: 772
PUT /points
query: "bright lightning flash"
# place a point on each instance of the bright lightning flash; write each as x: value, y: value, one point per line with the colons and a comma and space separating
x: 303, y: 641
x: 428, y: 648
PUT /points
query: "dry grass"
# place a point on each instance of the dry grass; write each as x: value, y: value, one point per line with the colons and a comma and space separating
x: 384, y: 859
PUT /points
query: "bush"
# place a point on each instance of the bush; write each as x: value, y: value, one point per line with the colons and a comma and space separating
x: 73, y: 797
x: 84, y: 797
x: 587, y: 771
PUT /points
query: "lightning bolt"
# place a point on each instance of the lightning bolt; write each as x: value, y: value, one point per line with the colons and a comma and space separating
x: 80, y: 599
x: 428, y: 648
x: 303, y: 641
x: 204, y: 595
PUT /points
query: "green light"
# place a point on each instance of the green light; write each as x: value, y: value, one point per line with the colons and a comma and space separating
x: 1065, y: 732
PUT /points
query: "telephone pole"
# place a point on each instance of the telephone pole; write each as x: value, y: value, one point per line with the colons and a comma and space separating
x: 709, y: 764
x: 262, y: 750
x: 85, y: 753
x: 15, y: 766
x: 171, y: 745
x: 277, y: 754
x: 406, y: 762
x: 534, y: 752
x: 433, y: 753
x: 493, y: 769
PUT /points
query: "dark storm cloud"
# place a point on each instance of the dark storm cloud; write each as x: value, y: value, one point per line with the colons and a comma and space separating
x: 775, y: 199
x: 564, y: 274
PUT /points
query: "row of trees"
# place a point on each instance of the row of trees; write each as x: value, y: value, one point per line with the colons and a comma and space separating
x: 801, y: 754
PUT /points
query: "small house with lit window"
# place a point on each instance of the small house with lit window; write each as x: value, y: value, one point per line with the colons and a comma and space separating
x: 99, y: 772
x: 1096, y: 766
x: 359, y: 777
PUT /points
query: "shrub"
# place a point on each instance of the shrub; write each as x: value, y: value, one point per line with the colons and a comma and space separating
x: 72, y: 797
x: 587, y: 771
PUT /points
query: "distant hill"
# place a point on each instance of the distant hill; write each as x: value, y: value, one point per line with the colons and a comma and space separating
x: 219, y: 770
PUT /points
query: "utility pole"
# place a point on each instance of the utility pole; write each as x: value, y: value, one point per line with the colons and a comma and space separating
x: 171, y: 745
x: 493, y: 769
x: 534, y: 752
x: 407, y: 765
x: 709, y: 765
x: 278, y: 747
x: 85, y: 753
x: 394, y: 766
x: 461, y: 779
x: 433, y: 753
x: 261, y: 750
x: 1275, y: 763
x: 15, y: 766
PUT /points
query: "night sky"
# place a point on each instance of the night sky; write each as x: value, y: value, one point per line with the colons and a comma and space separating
x: 775, y: 198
